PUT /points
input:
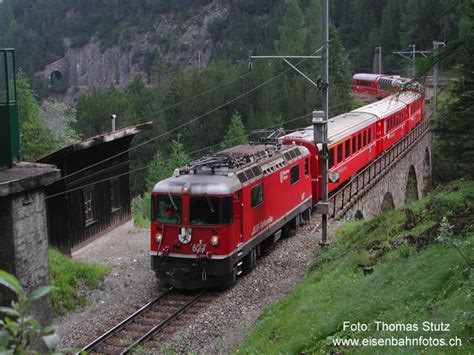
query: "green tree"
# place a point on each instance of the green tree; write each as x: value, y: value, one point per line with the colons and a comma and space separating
x: 453, y: 125
x: 339, y: 67
x: 178, y: 157
x: 236, y: 134
x: 422, y: 22
x: 292, y: 31
x: 36, y: 140
x: 313, y: 22
x: 158, y: 170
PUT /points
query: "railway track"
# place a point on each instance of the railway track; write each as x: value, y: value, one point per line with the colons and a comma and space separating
x: 143, y: 325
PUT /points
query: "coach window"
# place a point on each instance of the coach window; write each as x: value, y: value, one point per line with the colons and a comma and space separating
x: 354, y: 145
x: 348, y: 148
x: 167, y: 209
x: 370, y: 135
x: 204, y: 210
x: 359, y: 141
x: 257, y: 195
x: 306, y: 166
x: 331, y: 158
x: 365, y: 138
x: 339, y: 153
x: 295, y: 174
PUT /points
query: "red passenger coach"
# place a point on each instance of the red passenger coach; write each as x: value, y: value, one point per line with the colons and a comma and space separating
x: 358, y: 137
x: 379, y: 85
x: 365, y: 83
x: 210, y: 218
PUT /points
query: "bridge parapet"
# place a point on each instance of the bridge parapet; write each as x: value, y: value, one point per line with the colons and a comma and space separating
x: 401, y: 174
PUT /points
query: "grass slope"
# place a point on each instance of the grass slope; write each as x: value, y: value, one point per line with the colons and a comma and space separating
x: 417, y: 274
x: 69, y: 277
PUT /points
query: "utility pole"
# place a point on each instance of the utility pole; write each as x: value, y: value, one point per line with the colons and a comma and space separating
x: 379, y: 59
x: 436, y: 46
x: 324, y: 162
x: 413, y: 53
x: 320, y: 118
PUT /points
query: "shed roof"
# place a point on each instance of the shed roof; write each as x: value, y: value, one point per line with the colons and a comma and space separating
x: 94, y: 141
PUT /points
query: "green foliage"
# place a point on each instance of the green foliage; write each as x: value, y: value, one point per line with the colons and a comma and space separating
x: 414, y: 279
x: 65, y: 118
x: 236, y: 134
x: 141, y: 210
x: 159, y: 169
x: 36, y: 140
x: 292, y: 31
x: 20, y: 332
x: 68, y: 276
x: 452, y: 126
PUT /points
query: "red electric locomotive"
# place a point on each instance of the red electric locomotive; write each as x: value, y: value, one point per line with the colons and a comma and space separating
x: 211, y: 217
x: 358, y: 137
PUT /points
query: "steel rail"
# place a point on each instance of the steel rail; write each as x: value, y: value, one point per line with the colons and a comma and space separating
x: 93, y: 345
x: 164, y: 322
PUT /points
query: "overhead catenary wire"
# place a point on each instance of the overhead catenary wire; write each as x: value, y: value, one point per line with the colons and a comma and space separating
x: 168, y: 160
x: 183, y: 124
x: 191, y: 153
x: 205, y: 92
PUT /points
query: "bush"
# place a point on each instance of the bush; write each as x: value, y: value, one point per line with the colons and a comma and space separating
x: 19, y: 332
x: 67, y: 278
x: 141, y: 210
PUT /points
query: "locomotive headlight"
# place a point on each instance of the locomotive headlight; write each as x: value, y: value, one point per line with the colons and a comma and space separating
x: 159, y: 238
x: 215, y: 241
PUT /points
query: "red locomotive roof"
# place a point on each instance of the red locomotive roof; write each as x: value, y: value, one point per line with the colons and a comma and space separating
x: 231, y: 169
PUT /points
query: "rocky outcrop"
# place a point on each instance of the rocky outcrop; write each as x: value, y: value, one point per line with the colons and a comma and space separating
x: 175, y: 42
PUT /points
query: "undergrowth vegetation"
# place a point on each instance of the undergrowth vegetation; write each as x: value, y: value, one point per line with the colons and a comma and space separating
x: 406, y: 266
x: 69, y: 279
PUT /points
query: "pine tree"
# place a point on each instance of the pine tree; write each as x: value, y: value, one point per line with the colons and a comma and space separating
x: 453, y: 126
x: 236, y: 134
x: 158, y: 170
x: 339, y: 67
x: 36, y: 140
x: 313, y: 22
x: 292, y: 31
x: 178, y: 157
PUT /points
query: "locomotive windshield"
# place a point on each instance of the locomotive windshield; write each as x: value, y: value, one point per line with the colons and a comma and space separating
x: 207, y: 210
x: 167, y: 209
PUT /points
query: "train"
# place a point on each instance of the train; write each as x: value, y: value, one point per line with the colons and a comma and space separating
x: 377, y: 85
x: 212, y: 218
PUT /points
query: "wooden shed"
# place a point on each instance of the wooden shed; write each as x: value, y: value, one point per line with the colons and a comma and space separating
x: 91, y: 198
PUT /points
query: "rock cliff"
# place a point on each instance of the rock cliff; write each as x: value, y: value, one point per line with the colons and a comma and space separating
x: 177, y: 41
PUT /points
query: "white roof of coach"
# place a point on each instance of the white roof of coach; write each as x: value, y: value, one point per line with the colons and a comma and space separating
x: 366, y: 76
x: 339, y: 127
x: 389, y: 105
x: 344, y: 125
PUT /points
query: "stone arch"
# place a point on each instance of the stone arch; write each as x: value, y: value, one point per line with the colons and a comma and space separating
x: 426, y: 172
x: 56, y: 76
x: 387, y: 202
x: 411, y: 189
x: 358, y: 215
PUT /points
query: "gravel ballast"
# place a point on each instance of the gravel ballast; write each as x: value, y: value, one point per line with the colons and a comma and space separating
x: 221, y: 325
